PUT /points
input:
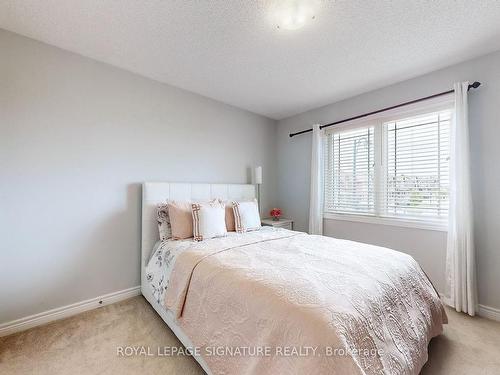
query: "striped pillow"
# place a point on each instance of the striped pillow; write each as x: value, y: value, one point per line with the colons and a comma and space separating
x: 246, y: 216
x: 209, y: 220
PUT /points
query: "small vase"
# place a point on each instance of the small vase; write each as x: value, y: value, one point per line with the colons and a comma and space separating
x: 276, y: 218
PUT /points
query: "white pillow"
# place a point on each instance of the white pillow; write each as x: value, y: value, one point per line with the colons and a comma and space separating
x: 209, y: 220
x: 246, y: 216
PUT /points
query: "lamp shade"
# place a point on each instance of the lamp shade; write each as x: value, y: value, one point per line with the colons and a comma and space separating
x: 258, y: 175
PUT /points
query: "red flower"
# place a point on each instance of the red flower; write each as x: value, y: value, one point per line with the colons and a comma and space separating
x: 275, y: 212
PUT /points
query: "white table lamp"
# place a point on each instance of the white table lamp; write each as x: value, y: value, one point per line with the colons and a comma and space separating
x: 258, y: 182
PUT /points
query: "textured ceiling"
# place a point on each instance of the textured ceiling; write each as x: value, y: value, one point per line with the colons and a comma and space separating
x: 231, y: 51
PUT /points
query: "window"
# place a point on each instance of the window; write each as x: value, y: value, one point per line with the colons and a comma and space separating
x: 390, y: 170
x: 417, y: 166
x: 350, y: 172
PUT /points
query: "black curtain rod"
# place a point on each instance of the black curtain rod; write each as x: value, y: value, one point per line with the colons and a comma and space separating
x: 474, y: 85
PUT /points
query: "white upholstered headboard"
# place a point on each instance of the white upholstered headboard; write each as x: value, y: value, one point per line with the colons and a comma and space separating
x: 157, y: 192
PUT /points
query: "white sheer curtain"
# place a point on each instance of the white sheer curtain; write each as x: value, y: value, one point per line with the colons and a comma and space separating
x: 460, y: 258
x: 316, y: 199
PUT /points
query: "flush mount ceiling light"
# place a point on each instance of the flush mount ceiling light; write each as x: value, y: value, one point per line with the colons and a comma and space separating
x: 293, y: 14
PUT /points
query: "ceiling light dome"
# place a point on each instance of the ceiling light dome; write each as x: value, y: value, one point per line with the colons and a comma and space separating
x: 293, y: 14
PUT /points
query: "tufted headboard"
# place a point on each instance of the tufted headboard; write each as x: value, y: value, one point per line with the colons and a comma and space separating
x: 157, y: 192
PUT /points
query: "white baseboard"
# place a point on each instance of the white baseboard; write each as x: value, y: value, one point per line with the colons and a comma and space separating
x: 482, y: 310
x: 94, y: 303
x: 489, y: 312
x: 66, y: 311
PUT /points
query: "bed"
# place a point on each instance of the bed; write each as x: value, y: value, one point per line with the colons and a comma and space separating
x: 279, y: 301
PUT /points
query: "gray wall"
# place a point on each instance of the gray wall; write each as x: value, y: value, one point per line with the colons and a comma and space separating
x: 428, y: 247
x: 77, y: 138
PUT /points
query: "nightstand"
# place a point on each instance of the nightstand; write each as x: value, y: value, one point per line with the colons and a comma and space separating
x: 281, y: 223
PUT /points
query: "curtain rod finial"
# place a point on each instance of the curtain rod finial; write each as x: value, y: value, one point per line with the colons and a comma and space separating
x: 475, y: 85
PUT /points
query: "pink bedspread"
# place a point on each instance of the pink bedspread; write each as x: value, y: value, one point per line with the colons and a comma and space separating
x: 283, y: 302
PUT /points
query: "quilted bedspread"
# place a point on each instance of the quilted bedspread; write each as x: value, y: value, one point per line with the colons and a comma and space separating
x: 282, y: 302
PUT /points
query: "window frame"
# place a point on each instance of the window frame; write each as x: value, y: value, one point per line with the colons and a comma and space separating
x: 445, y: 102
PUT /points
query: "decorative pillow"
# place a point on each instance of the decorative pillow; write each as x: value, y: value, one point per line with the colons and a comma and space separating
x: 246, y: 216
x: 181, y: 219
x: 208, y: 220
x: 230, y: 226
x: 163, y: 219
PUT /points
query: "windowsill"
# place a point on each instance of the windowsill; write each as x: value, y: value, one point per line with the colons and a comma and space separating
x: 437, y: 226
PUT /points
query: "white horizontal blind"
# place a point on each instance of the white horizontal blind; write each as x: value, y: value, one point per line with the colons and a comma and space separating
x: 417, y: 166
x: 395, y: 169
x: 349, y: 171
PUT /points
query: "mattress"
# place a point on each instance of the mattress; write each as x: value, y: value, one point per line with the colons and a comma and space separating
x: 276, y: 288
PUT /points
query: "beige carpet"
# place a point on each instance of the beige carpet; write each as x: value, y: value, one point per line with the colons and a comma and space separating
x: 87, y: 344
